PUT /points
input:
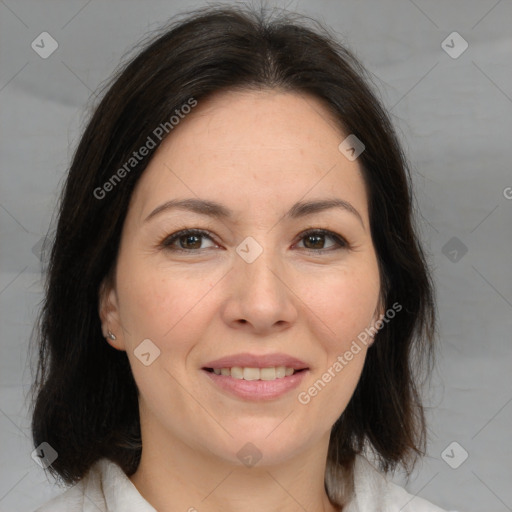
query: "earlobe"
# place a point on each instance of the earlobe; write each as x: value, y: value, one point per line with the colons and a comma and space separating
x: 109, y: 315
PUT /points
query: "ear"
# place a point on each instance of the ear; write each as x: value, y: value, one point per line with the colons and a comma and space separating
x: 109, y: 314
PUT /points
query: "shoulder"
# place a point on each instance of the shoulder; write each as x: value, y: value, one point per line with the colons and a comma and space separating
x: 73, y: 499
x: 105, y: 488
x: 374, y: 492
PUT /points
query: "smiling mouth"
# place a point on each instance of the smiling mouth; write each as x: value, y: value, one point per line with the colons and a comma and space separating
x: 248, y: 373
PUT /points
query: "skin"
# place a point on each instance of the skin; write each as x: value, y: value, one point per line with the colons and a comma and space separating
x: 257, y: 153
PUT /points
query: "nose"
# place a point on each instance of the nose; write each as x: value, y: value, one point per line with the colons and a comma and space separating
x: 260, y: 298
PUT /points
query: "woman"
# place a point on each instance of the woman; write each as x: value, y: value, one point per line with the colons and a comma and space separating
x: 236, y: 292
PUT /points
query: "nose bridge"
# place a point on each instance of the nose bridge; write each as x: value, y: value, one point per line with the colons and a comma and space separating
x: 260, y: 269
x: 259, y: 294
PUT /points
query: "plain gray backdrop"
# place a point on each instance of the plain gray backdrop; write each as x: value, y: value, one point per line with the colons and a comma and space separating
x: 453, y: 110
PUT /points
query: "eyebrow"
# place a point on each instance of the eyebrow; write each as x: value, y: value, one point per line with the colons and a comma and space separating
x: 217, y: 210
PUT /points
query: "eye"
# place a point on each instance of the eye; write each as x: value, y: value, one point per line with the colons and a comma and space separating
x: 315, y: 240
x: 187, y: 240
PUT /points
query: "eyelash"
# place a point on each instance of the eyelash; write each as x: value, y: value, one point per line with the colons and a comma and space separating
x: 168, y: 241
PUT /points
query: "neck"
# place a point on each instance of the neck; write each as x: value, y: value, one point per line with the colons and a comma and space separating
x: 175, y: 476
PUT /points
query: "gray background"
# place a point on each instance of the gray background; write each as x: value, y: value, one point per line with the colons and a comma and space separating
x: 454, y: 117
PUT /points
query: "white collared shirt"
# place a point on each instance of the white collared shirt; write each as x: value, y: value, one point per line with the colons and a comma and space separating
x: 106, y: 488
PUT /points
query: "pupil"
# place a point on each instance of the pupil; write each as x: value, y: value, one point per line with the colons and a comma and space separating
x: 317, y: 241
x: 191, y: 239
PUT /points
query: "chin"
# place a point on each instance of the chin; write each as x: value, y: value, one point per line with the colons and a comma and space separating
x: 259, y: 446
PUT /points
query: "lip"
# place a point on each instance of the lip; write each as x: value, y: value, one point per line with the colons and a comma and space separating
x: 247, y: 360
x: 256, y: 390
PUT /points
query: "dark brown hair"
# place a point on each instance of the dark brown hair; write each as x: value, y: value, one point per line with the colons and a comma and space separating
x: 85, y: 397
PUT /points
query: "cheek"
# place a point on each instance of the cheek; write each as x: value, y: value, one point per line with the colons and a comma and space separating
x: 157, y: 304
x: 344, y: 306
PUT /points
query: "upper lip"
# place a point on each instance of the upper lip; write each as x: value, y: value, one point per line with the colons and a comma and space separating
x: 247, y: 360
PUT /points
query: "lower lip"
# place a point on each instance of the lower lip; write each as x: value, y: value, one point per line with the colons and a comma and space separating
x: 257, y: 389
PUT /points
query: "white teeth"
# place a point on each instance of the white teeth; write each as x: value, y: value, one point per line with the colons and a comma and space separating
x: 237, y: 372
x: 251, y: 373
x: 267, y: 373
x: 280, y: 372
x: 248, y: 373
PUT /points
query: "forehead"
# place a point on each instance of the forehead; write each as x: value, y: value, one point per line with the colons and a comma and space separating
x: 243, y: 120
x: 252, y: 148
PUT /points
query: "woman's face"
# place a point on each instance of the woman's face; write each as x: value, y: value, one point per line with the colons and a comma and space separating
x: 261, y: 285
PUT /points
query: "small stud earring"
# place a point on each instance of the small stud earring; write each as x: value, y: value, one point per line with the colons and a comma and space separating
x: 111, y: 335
